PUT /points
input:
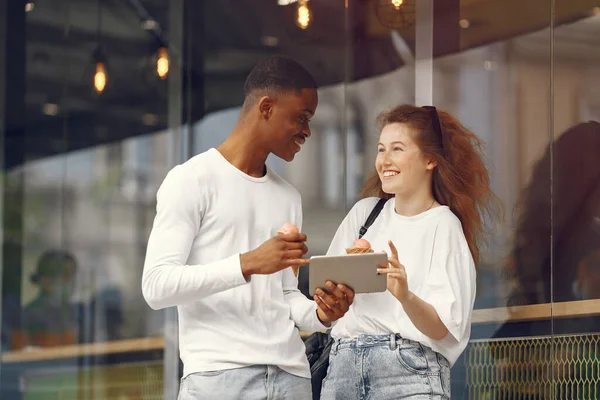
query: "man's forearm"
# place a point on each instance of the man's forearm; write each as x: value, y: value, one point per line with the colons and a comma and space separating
x: 168, y: 285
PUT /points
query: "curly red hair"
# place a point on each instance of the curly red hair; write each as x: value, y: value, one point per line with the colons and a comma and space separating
x: 460, y: 180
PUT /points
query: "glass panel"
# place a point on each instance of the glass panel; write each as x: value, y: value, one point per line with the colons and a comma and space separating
x: 85, y: 162
x: 488, y: 63
x: 576, y: 200
x: 504, y: 95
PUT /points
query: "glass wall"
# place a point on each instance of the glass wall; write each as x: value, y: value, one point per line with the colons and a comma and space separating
x: 91, y: 118
x: 83, y: 157
x: 524, y: 78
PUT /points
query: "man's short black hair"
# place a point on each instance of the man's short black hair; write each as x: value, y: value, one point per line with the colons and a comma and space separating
x: 278, y: 74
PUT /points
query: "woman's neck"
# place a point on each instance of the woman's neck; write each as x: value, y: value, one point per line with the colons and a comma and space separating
x: 414, y: 204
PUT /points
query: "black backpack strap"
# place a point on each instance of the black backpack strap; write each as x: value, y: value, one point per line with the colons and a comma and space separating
x: 372, y: 217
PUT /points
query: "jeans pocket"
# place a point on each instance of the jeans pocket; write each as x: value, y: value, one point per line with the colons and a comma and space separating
x: 414, y: 360
x: 200, y: 385
x: 209, y: 373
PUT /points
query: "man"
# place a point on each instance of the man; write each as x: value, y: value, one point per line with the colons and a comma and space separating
x: 214, y: 251
x: 49, y: 320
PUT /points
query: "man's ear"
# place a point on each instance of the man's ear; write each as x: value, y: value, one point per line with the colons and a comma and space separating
x: 265, y: 105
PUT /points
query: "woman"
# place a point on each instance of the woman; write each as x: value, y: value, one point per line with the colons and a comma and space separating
x: 562, y: 203
x: 402, y: 343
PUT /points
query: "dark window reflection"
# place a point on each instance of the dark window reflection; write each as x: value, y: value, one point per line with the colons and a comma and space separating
x: 559, y: 223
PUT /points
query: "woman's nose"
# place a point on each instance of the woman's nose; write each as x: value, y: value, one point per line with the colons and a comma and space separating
x: 385, y: 158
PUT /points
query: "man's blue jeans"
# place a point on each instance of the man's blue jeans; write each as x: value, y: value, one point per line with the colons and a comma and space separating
x: 257, y: 382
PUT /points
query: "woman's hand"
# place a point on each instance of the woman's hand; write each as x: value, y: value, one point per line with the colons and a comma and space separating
x: 397, y: 282
x: 422, y: 314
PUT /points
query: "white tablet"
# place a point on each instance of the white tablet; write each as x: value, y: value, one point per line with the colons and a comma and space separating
x: 357, y: 271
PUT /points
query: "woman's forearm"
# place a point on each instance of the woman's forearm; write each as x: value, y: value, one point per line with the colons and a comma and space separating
x: 424, y: 317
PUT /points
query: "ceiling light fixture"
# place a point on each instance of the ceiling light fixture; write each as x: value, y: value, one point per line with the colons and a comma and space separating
x: 149, y: 25
x: 50, y: 109
x: 270, y: 41
x: 100, y: 78
x: 162, y: 62
x: 397, y: 4
x: 150, y: 119
x: 304, y: 14
x: 98, y: 58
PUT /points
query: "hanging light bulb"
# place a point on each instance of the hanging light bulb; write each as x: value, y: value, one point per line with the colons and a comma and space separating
x: 100, y: 78
x: 397, y: 4
x: 304, y: 14
x: 98, y: 58
x: 162, y: 63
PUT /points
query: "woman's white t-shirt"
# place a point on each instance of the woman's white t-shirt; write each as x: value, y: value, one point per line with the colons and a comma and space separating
x: 440, y: 269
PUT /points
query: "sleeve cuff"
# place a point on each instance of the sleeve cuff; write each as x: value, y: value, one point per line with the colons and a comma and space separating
x: 454, y: 328
x: 318, y: 325
x: 232, y: 271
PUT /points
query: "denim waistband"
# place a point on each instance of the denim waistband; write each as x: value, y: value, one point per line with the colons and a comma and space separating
x: 393, y: 340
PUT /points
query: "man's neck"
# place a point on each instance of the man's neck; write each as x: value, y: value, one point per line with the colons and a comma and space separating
x: 244, y: 152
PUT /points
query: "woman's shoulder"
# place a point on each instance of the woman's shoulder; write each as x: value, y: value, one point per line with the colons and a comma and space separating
x: 350, y: 226
x: 366, y: 203
x: 363, y: 207
x: 448, y: 219
x: 449, y: 229
x: 359, y: 212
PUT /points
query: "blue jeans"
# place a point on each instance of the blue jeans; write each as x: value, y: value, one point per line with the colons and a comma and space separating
x: 385, y: 367
x: 257, y: 382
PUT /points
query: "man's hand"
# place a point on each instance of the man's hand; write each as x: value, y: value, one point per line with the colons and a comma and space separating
x: 333, y: 305
x: 275, y: 254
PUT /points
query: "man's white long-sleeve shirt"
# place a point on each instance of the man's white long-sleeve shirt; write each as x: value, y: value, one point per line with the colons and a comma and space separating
x: 208, y: 213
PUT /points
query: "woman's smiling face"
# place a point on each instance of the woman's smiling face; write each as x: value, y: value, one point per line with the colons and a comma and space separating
x: 400, y: 163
